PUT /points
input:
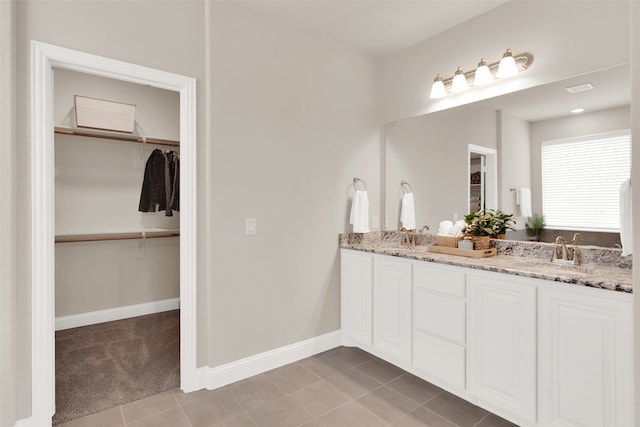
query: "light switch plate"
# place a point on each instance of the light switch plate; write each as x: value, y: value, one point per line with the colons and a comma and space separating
x: 250, y: 226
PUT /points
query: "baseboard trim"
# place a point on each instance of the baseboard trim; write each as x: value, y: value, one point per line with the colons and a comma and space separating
x: 212, y: 378
x: 25, y: 422
x: 119, y: 313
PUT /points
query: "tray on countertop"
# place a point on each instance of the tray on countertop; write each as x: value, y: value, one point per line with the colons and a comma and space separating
x: 472, y: 253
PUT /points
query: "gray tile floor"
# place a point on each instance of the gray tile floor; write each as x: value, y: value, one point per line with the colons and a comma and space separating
x: 341, y: 387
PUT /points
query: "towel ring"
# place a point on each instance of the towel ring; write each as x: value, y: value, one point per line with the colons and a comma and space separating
x: 355, y: 183
x: 405, y: 183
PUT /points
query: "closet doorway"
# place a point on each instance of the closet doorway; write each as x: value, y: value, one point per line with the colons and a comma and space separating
x: 46, y: 60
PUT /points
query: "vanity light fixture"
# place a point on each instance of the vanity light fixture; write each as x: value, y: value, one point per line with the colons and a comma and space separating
x: 459, y: 83
x: 508, y: 66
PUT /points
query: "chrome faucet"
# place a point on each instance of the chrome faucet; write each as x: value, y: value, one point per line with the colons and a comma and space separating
x: 576, y: 254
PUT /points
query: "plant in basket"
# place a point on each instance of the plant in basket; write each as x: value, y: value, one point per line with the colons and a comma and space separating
x: 502, y: 223
x: 487, y: 223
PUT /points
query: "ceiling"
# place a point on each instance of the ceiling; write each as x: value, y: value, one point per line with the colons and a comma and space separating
x: 611, y: 88
x: 377, y: 27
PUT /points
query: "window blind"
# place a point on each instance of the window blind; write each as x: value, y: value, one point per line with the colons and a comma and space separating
x: 581, y: 180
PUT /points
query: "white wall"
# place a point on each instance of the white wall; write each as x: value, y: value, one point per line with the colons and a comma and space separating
x: 8, y: 289
x: 514, y: 152
x: 293, y: 119
x: 635, y: 174
x: 568, y: 127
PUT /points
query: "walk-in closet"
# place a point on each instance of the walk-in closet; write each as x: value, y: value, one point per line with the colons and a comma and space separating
x: 117, y: 254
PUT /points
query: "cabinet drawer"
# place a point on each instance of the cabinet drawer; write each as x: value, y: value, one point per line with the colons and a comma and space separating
x: 440, y: 358
x: 440, y: 280
x: 440, y: 315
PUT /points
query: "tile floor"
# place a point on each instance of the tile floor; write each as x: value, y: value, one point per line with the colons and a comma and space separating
x: 340, y: 387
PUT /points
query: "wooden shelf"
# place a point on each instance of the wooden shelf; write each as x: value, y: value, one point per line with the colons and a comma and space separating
x: 103, y: 134
x: 99, y: 237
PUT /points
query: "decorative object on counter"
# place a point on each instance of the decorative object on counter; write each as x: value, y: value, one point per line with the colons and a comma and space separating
x: 485, y: 224
x: 408, y: 210
x: 471, y: 253
x: 626, y: 218
x: 359, y: 216
x: 449, y: 234
x: 466, y: 243
x: 535, y: 225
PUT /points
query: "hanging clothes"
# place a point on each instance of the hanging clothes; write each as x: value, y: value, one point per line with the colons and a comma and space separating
x: 161, y: 183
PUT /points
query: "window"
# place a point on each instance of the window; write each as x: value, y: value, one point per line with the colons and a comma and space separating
x: 581, y: 180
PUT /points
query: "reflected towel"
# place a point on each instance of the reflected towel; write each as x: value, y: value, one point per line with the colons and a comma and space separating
x: 458, y: 228
x: 626, y: 218
x: 359, y: 217
x: 446, y: 228
x: 408, y: 212
x: 523, y: 201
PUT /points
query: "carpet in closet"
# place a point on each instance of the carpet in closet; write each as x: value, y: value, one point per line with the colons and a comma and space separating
x: 106, y: 365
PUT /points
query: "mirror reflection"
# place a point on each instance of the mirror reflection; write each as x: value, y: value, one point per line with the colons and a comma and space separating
x: 437, y: 153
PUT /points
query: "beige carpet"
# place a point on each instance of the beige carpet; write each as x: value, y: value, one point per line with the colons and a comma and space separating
x: 106, y: 365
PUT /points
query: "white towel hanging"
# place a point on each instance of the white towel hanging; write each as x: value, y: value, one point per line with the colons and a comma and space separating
x: 626, y: 218
x: 359, y: 217
x: 408, y: 212
x: 523, y: 201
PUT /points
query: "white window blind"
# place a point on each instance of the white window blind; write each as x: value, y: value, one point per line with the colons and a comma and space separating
x: 581, y: 180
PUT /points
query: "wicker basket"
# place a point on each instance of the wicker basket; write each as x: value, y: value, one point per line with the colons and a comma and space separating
x: 481, y: 242
x: 448, y: 241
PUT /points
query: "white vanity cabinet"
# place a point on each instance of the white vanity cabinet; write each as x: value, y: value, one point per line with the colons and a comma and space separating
x: 392, y: 308
x: 586, y: 366
x: 502, y: 344
x: 536, y: 352
x: 356, y: 275
x: 439, y: 328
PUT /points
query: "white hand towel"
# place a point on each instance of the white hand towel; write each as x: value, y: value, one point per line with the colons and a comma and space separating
x: 458, y: 227
x: 408, y: 212
x: 360, y: 212
x: 523, y: 201
x: 446, y: 228
x: 626, y: 218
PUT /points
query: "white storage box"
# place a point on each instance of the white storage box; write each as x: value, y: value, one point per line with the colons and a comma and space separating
x: 107, y: 115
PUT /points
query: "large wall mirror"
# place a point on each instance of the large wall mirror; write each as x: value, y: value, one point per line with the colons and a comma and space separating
x: 431, y: 151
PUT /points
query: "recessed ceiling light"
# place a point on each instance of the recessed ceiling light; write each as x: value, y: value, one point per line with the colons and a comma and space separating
x: 579, y: 88
x: 577, y: 110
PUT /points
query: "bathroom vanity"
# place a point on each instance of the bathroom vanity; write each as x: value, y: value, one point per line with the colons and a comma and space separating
x: 537, y: 344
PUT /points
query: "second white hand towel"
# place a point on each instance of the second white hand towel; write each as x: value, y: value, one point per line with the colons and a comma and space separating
x: 359, y: 217
x: 523, y: 200
x: 408, y: 212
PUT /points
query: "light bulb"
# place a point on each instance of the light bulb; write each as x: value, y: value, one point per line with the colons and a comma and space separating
x: 459, y: 83
x: 483, y: 74
x: 507, y: 67
x: 437, y: 89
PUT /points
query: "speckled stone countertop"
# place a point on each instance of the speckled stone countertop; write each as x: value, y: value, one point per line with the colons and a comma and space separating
x: 600, y: 267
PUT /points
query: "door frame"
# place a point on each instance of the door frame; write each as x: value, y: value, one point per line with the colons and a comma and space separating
x: 491, y: 188
x: 44, y: 57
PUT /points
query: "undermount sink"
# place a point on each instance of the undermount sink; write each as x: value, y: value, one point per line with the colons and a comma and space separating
x: 570, y: 266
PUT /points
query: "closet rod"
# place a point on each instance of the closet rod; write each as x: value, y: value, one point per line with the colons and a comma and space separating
x: 105, y: 237
x: 117, y: 137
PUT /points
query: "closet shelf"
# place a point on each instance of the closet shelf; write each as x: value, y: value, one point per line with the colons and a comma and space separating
x: 73, y: 238
x: 92, y: 133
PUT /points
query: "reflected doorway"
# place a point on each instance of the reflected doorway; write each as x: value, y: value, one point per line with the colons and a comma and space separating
x: 482, y: 178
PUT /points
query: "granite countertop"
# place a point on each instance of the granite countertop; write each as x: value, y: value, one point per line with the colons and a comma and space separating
x: 601, y: 267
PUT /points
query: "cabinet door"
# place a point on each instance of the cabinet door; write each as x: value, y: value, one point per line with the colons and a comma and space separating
x: 392, y: 308
x: 356, y: 273
x: 502, y: 344
x: 585, y: 360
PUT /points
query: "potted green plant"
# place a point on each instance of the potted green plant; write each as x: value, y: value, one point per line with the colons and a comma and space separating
x: 480, y: 227
x: 502, y: 223
x: 535, y: 225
